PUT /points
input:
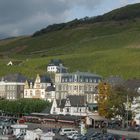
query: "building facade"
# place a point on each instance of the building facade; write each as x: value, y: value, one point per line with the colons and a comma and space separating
x: 78, y: 83
x: 72, y: 105
x: 56, y: 66
x: 37, y: 88
x: 12, y: 86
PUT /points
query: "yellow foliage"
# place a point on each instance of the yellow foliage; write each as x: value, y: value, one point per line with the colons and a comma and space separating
x: 104, y: 93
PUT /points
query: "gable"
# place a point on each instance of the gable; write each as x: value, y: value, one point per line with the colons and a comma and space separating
x: 67, y: 102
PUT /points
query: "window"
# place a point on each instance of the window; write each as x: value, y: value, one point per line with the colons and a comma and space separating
x: 26, y: 93
x: 59, y: 87
x: 75, y: 87
x: 54, y: 109
x: 31, y: 92
x: 70, y: 79
x: 61, y: 109
x: 66, y: 79
x: 67, y: 110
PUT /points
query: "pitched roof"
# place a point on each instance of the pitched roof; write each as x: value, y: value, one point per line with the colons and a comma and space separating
x: 75, y: 101
x: 50, y: 88
x: 45, y: 79
x: 114, y: 80
x: 61, y: 103
x: 55, y: 62
x: 16, y: 77
x: 132, y: 84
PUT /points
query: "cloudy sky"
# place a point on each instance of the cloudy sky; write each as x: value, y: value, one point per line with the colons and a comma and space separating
x: 20, y: 17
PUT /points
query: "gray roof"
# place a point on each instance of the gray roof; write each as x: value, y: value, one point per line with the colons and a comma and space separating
x: 132, y: 84
x: 86, y: 74
x: 16, y: 77
x: 61, y: 103
x: 45, y: 79
x: 114, y: 80
x: 55, y: 62
x: 50, y: 88
x: 81, y: 77
x: 75, y: 101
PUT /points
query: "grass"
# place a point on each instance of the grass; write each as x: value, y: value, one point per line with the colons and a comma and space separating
x: 108, y: 48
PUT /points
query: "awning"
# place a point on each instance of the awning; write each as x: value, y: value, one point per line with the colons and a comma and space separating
x: 98, y: 118
x: 66, y: 121
x: 49, y: 119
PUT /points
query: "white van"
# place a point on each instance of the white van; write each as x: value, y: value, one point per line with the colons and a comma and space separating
x: 65, y: 131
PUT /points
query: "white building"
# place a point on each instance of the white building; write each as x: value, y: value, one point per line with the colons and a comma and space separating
x: 37, y: 88
x: 72, y: 105
x: 56, y: 66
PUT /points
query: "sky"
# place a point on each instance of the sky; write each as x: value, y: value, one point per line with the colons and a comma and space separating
x: 24, y: 17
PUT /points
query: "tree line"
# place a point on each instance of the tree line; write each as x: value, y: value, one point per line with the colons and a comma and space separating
x: 23, y: 106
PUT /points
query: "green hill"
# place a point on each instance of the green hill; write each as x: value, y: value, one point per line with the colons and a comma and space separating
x: 107, y: 44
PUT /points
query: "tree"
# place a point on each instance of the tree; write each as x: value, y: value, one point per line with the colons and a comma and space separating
x: 104, y: 93
x: 22, y: 106
x: 119, y: 103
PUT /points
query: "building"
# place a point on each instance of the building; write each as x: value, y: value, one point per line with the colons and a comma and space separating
x: 72, y: 105
x: 37, y: 88
x: 16, y: 63
x: 56, y: 66
x: 50, y: 93
x: 12, y: 86
x: 78, y: 83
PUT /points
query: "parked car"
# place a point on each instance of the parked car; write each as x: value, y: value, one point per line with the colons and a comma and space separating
x: 71, y: 135
x: 65, y: 131
x: 77, y: 137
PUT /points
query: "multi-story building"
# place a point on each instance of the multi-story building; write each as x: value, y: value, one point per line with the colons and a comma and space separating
x: 37, y: 88
x: 12, y: 86
x: 56, y: 66
x: 78, y: 83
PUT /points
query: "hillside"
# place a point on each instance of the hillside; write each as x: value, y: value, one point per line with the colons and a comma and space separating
x: 107, y: 45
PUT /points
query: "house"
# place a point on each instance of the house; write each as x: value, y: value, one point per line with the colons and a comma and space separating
x: 12, y: 86
x: 72, y: 105
x: 16, y: 63
x: 56, y: 66
x: 37, y: 88
x: 10, y: 63
x: 77, y: 83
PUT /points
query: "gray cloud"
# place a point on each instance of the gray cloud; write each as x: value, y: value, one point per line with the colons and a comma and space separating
x: 19, y: 17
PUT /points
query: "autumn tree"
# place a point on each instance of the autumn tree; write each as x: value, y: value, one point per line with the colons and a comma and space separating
x: 119, y: 103
x: 104, y: 93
